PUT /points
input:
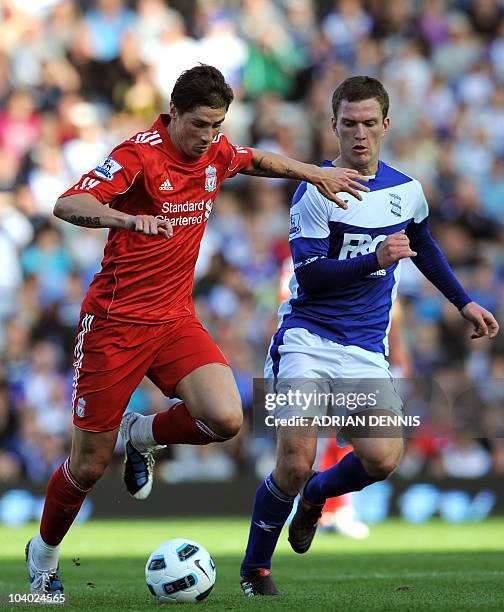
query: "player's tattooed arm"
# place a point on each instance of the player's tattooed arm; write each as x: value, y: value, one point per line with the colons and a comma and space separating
x: 271, y: 165
x: 86, y: 211
x: 85, y: 221
x: 329, y: 181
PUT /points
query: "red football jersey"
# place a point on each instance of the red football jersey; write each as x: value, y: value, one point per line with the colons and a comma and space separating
x: 148, y: 279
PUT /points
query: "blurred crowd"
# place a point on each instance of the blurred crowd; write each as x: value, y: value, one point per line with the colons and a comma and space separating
x: 76, y: 78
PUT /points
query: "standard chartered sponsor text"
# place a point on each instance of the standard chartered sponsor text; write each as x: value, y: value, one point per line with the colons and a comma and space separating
x: 173, y: 207
x: 170, y: 208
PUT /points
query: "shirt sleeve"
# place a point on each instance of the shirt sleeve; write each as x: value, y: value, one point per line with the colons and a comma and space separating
x: 309, y: 226
x: 113, y: 177
x: 430, y: 259
x: 239, y: 158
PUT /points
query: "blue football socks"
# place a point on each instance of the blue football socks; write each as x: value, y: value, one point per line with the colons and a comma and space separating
x: 346, y: 476
x: 271, y: 509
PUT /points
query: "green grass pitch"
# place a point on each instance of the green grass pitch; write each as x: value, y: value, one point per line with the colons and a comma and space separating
x: 435, y: 566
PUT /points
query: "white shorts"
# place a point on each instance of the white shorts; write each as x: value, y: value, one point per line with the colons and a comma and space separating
x: 296, y: 360
x: 306, y: 355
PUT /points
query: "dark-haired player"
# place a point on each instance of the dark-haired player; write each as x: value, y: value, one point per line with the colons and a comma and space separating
x: 335, y: 324
x: 138, y: 317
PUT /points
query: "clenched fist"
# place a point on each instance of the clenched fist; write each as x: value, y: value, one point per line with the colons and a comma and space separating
x: 149, y: 225
x: 483, y: 321
x: 393, y: 248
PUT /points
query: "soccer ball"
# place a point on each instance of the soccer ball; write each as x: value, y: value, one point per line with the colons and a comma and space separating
x: 180, y: 571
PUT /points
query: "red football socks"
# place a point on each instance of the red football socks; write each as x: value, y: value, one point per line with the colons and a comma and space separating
x: 64, y: 497
x: 177, y: 426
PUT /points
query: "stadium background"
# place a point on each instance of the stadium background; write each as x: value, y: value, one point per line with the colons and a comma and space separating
x: 78, y: 77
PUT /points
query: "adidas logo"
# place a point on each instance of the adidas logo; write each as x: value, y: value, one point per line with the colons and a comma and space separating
x: 166, y: 186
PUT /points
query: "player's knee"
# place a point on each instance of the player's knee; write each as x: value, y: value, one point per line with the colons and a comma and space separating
x: 228, y: 424
x: 300, y: 474
x: 381, y: 468
x: 88, y: 472
x: 293, y: 473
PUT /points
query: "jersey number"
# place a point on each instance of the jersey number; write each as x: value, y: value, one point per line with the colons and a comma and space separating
x: 87, y: 184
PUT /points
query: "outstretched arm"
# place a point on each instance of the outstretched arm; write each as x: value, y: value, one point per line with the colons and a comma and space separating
x: 431, y: 261
x: 329, y: 181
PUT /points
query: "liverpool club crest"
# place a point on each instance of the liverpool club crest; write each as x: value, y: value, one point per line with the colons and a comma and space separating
x: 81, y: 407
x: 211, y: 178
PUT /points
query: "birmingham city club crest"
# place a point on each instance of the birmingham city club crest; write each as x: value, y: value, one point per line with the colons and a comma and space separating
x: 211, y: 178
x: 395, y: 204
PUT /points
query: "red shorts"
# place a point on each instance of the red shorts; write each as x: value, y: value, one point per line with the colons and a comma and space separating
x: 111, y: 358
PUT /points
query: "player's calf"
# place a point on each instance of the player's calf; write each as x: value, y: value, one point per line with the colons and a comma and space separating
x: 294, y: 468
x: 294, y: 463
x: 379, y: 456
x: 90, y: 456
x: 380, y: 469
